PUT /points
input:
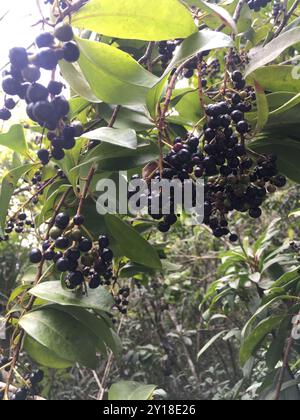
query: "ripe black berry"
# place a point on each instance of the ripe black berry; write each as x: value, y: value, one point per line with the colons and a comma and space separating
x: 45, y: 39
x: 255, y: 213
x: 5, y: 114
x: 103, y: 241
x: 46, y: 59
x: 18, y: 57
x: 9, y: 103
x: 10, y: 86
x: 62, y: 221
x: 64, y: 32
x: 95, y: 282
x: 31, y: 73
x: 107, y: 255
x: 75, y: 278
x: 37, y: 92
x: 242, y: 127
x: 280, y: 181
x: 85, y: 245
x: 62, y: 243
x: 63, y: 265
x: 20, y: 395
x: 44, y: 156
x: 58, y: 154
x: 71, y: 52
x: 78, y: 220
x: 35, y: 256
x: 55, y: 88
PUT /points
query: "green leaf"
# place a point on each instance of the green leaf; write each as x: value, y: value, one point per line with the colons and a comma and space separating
x: 124, y: 138
x: 287, y: 151
x: 61, y: 334
x: 8, y: 185
x: 204, y: 40
x: 139, y: 19
x: 114, y: 76
x: 52, y: 291
x: 221, y: 13
x: 43, y: 356
x: 262, y: 107
x: 72, y: 74
x: 132, y: 244
x: 15, y: 140
x: 276, y: 78
x: 211, y: 342
x: 134, y: 117
x: 105, y: 336
x: 251, y: 343
x: 261, y: 56
x: 287, y: 106
x: 131, y: 391
x: 155, y: 95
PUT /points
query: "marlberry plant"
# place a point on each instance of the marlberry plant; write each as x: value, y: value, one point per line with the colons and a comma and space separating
x: 174, y: 90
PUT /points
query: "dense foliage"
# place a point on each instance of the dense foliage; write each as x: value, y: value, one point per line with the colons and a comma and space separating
x: 166, y: 90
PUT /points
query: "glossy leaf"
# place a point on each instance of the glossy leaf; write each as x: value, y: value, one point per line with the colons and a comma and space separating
x: 132, y: 244
x: 140, y: 19
x: 251, y: 343
x: 60, y: 334
x: 52, y: 291
x: 124, y: 138
x: 261, y: 56
x: 202, y: 41
x: 43, y: 356
x: 77, y: 82
x: 114, y: 76
x: 15, y: 140
x: 262, y: 107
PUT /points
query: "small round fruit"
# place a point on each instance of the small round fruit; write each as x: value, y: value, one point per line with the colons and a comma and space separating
x: 242, y: 127
x: 76, y: 278
x: 95, y: 282
x: 63, y: 265
x: 35, y: 256
x: 78, y: 127
x: 55, y: 232
x: 49, y: 255
x: 62, y: 243
x: 78, y: 220
x: 85, y: 245
x: 103, y: 241
x: 18, y: 57
x: 280, y: 181
x: 36, y: 93
x: 71, y: 52
x: 55, y: 88
x: 107, y: 255
x: 44, y: 156
x: 5, y: 114
x: 233, y: 238
x: 10, y: 103
x: 36, y: 377
x: 31, y: 73
x: 45, y: 39
x: 10, y: 86
x: 61, y: 106
x: 58, y: 154
x: 46, y: 59
x: 42, y: 111
x: 64, y: 32
x: 62, y: 221
x: 255, y: 213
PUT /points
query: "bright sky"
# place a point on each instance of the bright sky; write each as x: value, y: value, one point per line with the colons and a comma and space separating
x: 15, y: 28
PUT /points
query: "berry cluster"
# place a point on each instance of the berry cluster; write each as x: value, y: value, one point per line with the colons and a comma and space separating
x: 257, y: 5
x: 166, y: 50
x: 32, y: 380
x: 19, y: 224
x: 45, y: 104
x: 122, y: 301
x: 74, y: 254
x: 235, y: 180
